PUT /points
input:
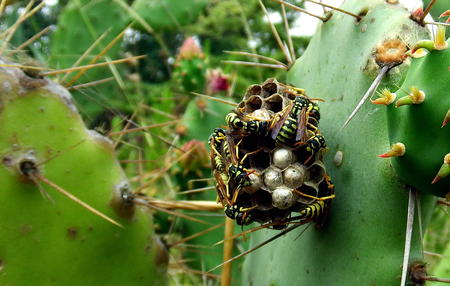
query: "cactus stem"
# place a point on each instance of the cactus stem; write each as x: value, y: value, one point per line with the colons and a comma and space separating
x: 293, y: 7
x: 424, y: 44
x: 43, y: 179
x: 215, y: 99
x: 358, y: 18
x: 85, y: 67
x: 255, y: 56
x: 368, y: 93
x: 243, y: 233
x: 253, y: 64
x: 415, y: 97
x: 276, y: 35
x: 89, y: 84
x: 29, y: 41
x: 397, y: 150
x: 444, y: 171
x: 385, y: 97
x: 446, y: 119
x: 227, y: 252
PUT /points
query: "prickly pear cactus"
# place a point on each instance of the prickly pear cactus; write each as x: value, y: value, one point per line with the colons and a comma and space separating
x: 366, y: 225
x: 421, y: 127
x: 48, y: 238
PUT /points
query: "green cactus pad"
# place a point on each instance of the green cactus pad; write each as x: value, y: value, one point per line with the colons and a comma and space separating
x: 55, y: 241
x: 419, y: 126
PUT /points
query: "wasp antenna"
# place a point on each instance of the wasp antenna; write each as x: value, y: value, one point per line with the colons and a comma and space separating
x: 296, y: 8
x: 408, y: 235
x: 368, y: 93
x: 258, y: 246
x: 214, y: 99
x: 269, y: 59
x: 253, y: 64
x: 75, y: 199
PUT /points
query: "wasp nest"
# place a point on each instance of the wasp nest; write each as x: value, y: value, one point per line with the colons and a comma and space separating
x: 268, y: 164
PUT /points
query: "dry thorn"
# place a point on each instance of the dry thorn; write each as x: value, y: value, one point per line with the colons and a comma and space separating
x: 101, y: 54
x: 7, y: 35
x: 427, y: 10
x: 368, y: 93
x: 286, y: 28
x: 198, y: 190
x: 253, y: 64
x: 2, y: 6
x: 73, y: 198
x: 186, y: 205
x: 143, y: 128
x: 150, y: 203
x: 29, y: 41
x: 358, y: 18
x: 24, y: 67
x: 215, y: 99
x: 269, y: 59
x: 183, y: 240
x: 444, y: 203
x: 59, y: 153
x: 408, y: 235
x: 293, y: 7
x: 89, y: 84
x: 90, y: 66
x: 87, y: 52
x: 149, y: 108
x: 437, y: 23
x: 275, y: 34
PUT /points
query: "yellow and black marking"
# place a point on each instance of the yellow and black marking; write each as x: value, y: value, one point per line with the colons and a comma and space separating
x: 234, y: 121
x: 314, y: 210
x: 287, y: 134
x: 216, y: 141
x: 238, y: 213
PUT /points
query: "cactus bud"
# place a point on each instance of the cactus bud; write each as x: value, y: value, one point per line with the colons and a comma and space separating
x: 397, y: 149
x: 446, y: 118
x: 439, y: 41
x: 386, y: 97
x: 444, y: 171
x: 415, y: 97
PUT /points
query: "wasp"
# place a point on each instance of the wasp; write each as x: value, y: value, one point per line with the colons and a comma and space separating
x: 240, y: 214
x: 291, y: 126
x: 255, y: 127
x: 314, y: 145
x: 216, y: 142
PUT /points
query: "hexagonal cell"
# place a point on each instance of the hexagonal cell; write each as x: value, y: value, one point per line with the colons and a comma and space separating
x: 262, y: 199
x: 282, y: 157
x: 272, y: 178
x: 306, y: 192
x: 262, y: 114
x: 256, y: 183
x: 316, y: 172
x: 253, y: 103
x: 294, y: 175
x: 274, y: 102
x: 283, y: 197
x: 269, y: 87
x: 260, y: 160
x: 254, y: 89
